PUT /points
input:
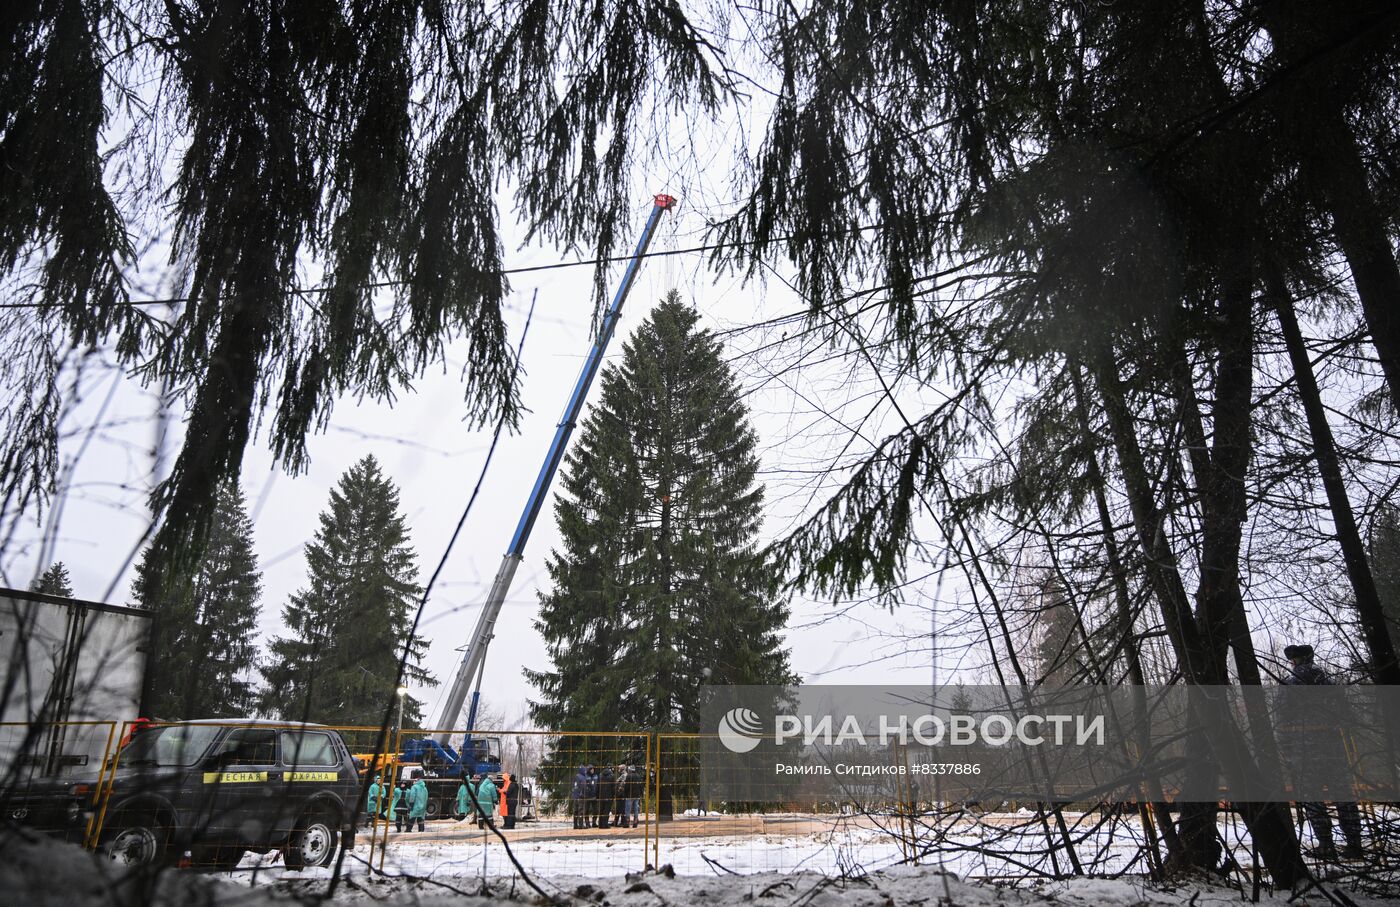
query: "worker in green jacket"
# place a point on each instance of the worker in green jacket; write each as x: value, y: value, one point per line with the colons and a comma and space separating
x: 464, y: 799
x: 372, y: 803
x: 486, y: 798
x: 418, y: 802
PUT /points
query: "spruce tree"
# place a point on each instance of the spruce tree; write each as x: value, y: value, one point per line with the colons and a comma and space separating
x: 658, y: 585
x: 338, y: 663
x: 1054, y: 642
x: 55, y: 581
x: 203, y: 654
x: 345, y: 137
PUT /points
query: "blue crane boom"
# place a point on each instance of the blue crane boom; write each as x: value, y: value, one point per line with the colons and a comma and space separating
x: 474, y: 659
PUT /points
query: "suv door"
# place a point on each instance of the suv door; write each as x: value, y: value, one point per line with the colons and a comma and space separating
x: 313, y: 765
x: 246, y: 779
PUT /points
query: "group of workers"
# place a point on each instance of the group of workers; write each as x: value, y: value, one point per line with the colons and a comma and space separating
x: 404, y: 803
x: 607, y: 796
x: 478, y: 797
x: 610, y: 796
x: 481, y: 798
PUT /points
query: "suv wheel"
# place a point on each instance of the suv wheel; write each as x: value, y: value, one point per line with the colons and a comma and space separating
x: 136, y: 840
x: 312, y: 843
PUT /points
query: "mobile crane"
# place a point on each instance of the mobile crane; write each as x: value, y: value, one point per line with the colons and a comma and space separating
x: 476, y: 755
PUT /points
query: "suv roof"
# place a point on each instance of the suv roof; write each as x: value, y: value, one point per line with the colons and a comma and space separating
x: 243, y: 722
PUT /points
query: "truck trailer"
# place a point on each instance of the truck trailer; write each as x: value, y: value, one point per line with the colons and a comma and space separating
x: 71, y: 673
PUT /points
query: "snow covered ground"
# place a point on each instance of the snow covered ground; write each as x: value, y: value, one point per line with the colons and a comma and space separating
x: 1002, y: 848
x: 43, y: 873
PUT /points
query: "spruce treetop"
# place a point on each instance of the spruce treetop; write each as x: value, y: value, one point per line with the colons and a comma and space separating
x: 338, y: 661
x: 658, y: 584
x: 204, y: 657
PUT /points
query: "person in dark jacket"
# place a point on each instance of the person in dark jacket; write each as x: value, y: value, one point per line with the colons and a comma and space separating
x: 619, y: 796
x: 510, y: 799
x: 400, y: 806
x: 607, y: 790
x: 578, y: 793
x: 632, y: 796
x: 614, y: 805
x: 590, y: 797
x: 1310, y: 735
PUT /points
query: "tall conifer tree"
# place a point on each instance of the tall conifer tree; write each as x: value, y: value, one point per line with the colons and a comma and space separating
x: 203, y: 656
x: 338, y: 663
x: 658, y: 584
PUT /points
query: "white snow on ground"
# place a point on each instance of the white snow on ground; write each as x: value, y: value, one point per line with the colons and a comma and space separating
x: 906, y: 887
x: 842, y: 867
x: 840, y: 847
x: 42, y: 873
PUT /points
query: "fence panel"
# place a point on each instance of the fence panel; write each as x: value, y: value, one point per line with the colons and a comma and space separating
x: 580, y: 806
x: 806, y: 831
x: 50, y: 774
x: 877, y: 822
x: 571, y: 813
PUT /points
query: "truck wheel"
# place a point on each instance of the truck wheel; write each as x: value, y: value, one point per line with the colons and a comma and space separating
x: 433, y: 809
x: 312, y: 843
x: 136, y: 839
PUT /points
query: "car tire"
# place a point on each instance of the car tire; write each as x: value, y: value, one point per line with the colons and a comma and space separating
x: 136, y: 839
x: 313, y: 842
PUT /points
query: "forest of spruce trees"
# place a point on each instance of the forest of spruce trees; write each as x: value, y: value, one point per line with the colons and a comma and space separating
x: 1117, y: 283
x: 661, y: 584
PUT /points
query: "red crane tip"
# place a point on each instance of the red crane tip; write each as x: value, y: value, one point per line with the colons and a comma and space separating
x: 665, y: 202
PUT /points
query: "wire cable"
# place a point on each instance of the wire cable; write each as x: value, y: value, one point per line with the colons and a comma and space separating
x: 528, y: 269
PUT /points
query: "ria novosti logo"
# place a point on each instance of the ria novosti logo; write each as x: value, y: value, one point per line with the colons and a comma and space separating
x: 740, y: 730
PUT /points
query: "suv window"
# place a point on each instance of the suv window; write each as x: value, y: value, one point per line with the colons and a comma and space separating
x: 249, y: 746
x: 309, y: 748
x: 177, y: 744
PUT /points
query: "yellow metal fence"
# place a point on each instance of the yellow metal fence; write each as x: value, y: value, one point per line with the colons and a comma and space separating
x: 675, y: 824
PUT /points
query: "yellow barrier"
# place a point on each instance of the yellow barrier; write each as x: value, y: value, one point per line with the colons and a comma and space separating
x: 556, y: 758
x: 670, y: 767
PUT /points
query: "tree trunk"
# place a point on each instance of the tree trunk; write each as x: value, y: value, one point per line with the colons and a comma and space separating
x: 1162, y: 571
x: 1128, y: 639
x: 1219, y: 472
x: 1362, y: 236
x: 1332, y: 163
x: 1268, y: 823
x: 1384, y: 667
